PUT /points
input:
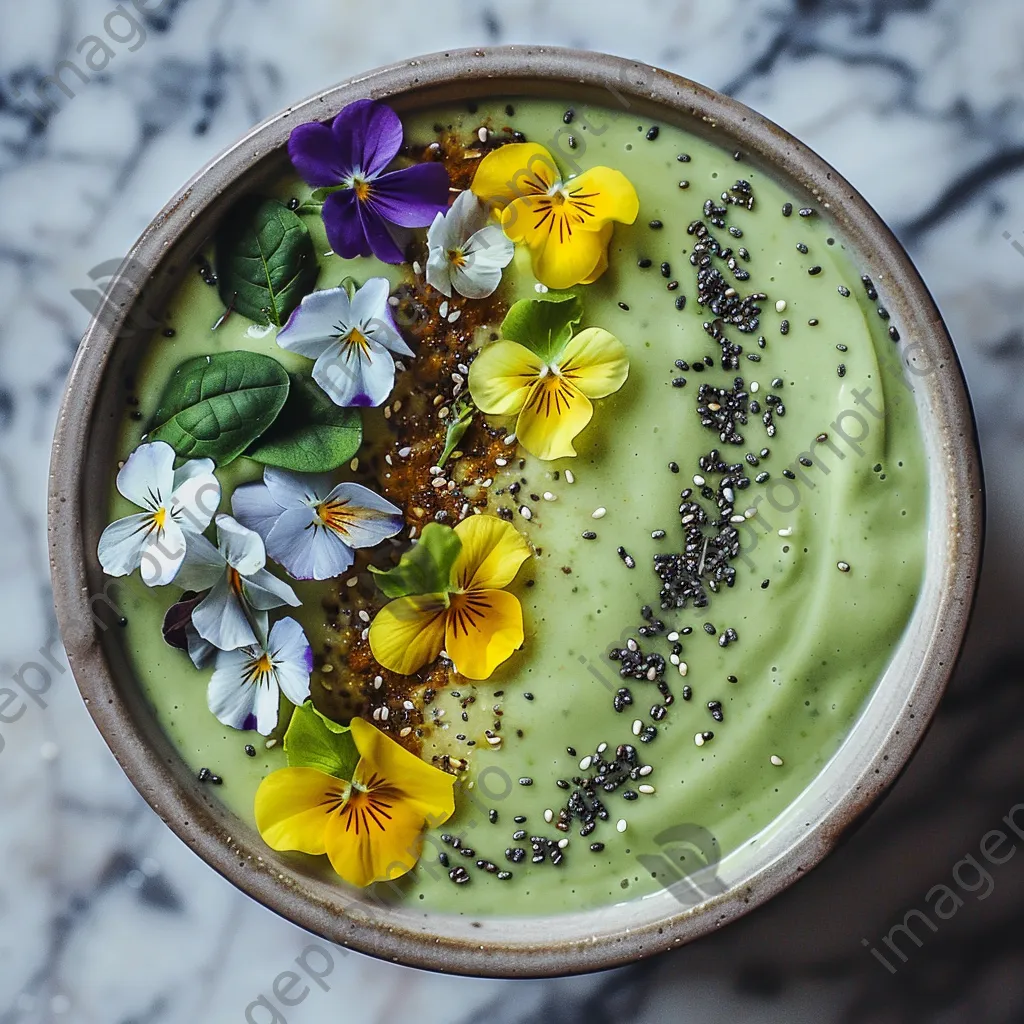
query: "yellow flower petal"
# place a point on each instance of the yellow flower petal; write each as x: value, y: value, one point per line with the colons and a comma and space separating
x: 602, y: 264
x: 423, y: 787
x: 500, y: 377
x: 408, y: 633
x: 484, y: 628
x: 554, y: 414
x: 604, y: 195
x: 596, y: 362
x: 293, y: 807
x: 567, y: 255
x: 519, y: 169
x: 492, y: 552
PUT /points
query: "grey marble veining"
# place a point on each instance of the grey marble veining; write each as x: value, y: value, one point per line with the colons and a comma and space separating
x: 106, y: 917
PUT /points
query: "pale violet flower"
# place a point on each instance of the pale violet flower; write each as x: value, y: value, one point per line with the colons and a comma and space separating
x: 241, y: 590
x: 351, y: 341
x: 310, y: 527
x: 178, y: 503
x: 467, y: 251
x: 245, y: 690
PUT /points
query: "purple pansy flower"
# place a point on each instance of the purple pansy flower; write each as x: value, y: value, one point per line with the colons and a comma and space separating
x: 368, y: 212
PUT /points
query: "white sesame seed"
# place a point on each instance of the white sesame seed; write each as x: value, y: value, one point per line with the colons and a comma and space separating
x: 699, y: 480
x: 444, y: 308
x: 352, y: 582
x: 563, y: 843
x: 384, y: 712
x: 652, y: 674
x: 270, y: 744
x: 438, y: 482
x: 548, y: 496
x: 754, y: 387
x: 780, y: 306
x: 631, y: 645
x: 776, y: 760
x: 453, y: 317
x: 494, y: 741
x: 683, y: 668
x: 638, y: 727
x: 672, y: 637
x: 737, y: 519
x: 541, y: 289
x: 729, y: 495
x: 482, y: 134
x: 364, y: 615
x: 376, y: 714
x: 365, y: 635
x: 645, y: 789
x: 354, y: 465
x: 435, y: 471
x: 602, y: 747
x: 786, y: 531
x: 620, y: 825
x: 646, y: 770
x: 378, y: 682
x: 585, y: 763
x: 549, y: 815
x: 569, y: 478
x: 526, y: 512
x: 501, y: 462
x: 408, y: 705
x: 674, y: 659
x: 387, y: 459
x: 417, y: 267
x: 393, y: 301
x: 406, y: 731
x: 509, y: 439
x: 699, y: 739
x: 599, y: 513
x: 750, y: 513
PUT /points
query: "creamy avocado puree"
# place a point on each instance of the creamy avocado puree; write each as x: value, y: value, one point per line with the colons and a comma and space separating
x: 777, y: 666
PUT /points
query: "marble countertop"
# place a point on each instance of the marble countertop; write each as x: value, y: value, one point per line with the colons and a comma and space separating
x: 106, y: 916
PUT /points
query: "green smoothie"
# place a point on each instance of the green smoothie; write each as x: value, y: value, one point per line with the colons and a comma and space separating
x: 756, y: 689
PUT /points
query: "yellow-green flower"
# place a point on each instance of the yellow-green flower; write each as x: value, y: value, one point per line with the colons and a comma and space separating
x: 371, y: 827
x: 468, y: 614
x: 567, y: 225
x: 545, y: 377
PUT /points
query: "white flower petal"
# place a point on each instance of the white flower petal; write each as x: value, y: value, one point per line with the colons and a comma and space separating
x: 201, y: 651
x: 487, y: 253
x: 220, y: 619
x: 353, y: 379
x: 439, y: 234
x: 268, y: 706
x: 372, y: 314
x: 121, y: 544
x: 203, y: 567
x: 147, y: 478
x: 196, y: 495
x: 468, y: 214
x: 230, y: 696
x: 264, y: 591
x: 440, y: 271
x: 241, y: 547
x: 296, y: 490
x: 255, y: 508
x: 376, y: 518
x: 292, y: 656
x: 317, y: 322
x: 307, y: 550
x: 162, y: 555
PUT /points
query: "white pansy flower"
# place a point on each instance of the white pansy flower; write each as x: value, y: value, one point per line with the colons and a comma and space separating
x: 467, y: 250
x: 178, y: 503
x: 351, y: 341
x: 241, y: 590
x: 245, y: 690
x: 310, y: 527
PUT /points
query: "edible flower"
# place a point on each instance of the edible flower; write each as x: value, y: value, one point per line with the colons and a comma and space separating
x: 310, y: 527
x: 545, y: 377
x: 467, y: 252
x: 246, y: 687
x: 241, y: 590
x: 450, y: 596
x: 567, y: 225
x: 178, y: 503
x: 370, y: 823
x: 351, y: 338
x: 367, y: 207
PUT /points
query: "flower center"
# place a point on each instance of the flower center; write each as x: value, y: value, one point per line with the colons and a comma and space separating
x: 334, y: 515
x: 362, y: 188
x: 259, y: 670
x: 457, y: 258
x: 234, y: 580
x: 358, y: 342
x: 551, y: 395
x: 160, y: 518
x: 369, y: 805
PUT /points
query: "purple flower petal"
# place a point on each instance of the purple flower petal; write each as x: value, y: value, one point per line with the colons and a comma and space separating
x: 344, y: 225
x: 412, y: 197
x: 370, y: 133
x: 318, y: 156
x: 379, y: 236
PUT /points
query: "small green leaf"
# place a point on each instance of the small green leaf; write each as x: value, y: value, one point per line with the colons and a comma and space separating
x: 426, y: 568
x: 266, y: 263
x: 312, y: 434
x: 458, y: 424
x: 544, y: 326
x: 215, y: 406
x: 313, y: 741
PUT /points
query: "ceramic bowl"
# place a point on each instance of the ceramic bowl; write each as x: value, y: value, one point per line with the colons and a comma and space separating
x: 890, y: 726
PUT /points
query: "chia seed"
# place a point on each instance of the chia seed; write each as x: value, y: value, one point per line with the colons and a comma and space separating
x: 653, y: 133
x: 787, y: 210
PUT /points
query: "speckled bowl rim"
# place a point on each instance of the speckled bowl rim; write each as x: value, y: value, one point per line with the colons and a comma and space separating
x: 890, y: 727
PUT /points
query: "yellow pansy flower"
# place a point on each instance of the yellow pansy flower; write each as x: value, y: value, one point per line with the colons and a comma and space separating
x: 469, y: 616
x: 567, y: 225
x: 546, y: 377
x: 372, y: 827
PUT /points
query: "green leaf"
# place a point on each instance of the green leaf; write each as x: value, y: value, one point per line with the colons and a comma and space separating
x: 266, y: 263
x: 215, y: 406
x: 544, y: 326
x: 313, y: 741
x: 426, y: 568
x: 312, y: 434
x: 458, y: 424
